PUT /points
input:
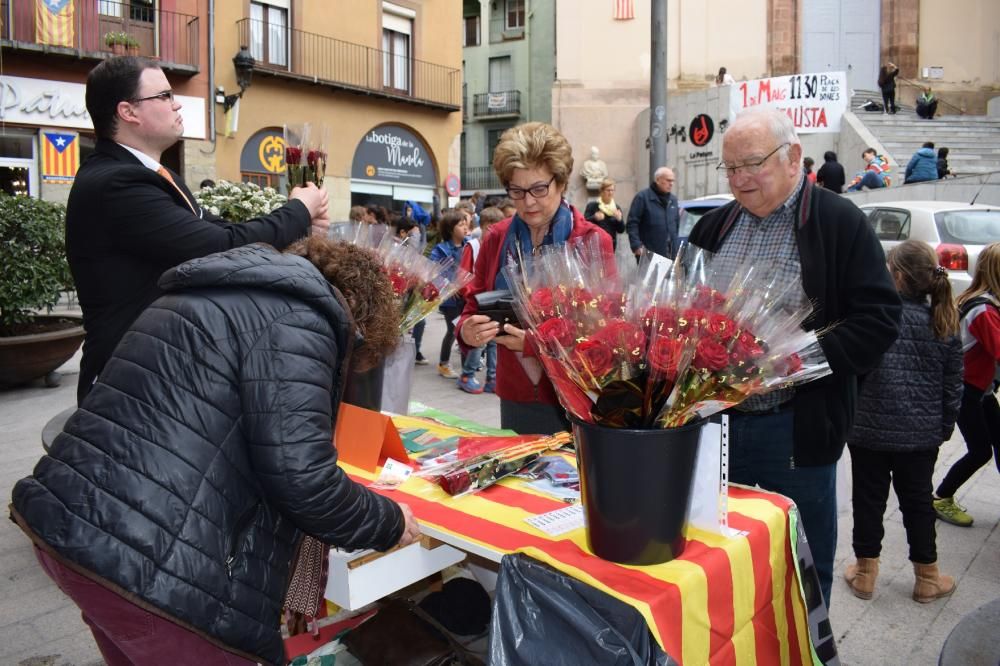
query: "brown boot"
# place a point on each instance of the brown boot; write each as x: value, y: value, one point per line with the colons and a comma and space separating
x: 931, y: 584
x: 861, y: 576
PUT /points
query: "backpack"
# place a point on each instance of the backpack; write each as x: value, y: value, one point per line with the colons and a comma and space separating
x: 872, y: 105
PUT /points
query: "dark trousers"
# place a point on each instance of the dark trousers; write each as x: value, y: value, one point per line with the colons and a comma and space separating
x: 979, y: 423
x: 418, y: 333
x: 910, y: 474
x: 451, y: 313
x: 127, y: 634
x: 761, y: 453
x: 889, y: 100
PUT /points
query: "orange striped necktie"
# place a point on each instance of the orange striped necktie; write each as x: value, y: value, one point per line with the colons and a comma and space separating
x: 170, y: 179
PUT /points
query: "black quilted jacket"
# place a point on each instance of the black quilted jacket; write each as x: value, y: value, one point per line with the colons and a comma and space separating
x: 910, y: 401
x: 188, y: 475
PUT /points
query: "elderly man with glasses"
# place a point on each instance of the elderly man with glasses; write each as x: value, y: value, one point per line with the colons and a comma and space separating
x: 789, y: 441
x: 129, y: 218
x: 654, y: 217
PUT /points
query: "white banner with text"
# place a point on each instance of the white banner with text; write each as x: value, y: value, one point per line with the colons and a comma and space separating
x: 814, y: 102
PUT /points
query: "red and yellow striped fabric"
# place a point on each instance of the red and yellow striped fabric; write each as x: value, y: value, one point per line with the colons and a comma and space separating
x: 724, y: 601
x: 60, y: 156
x: 54, y: 22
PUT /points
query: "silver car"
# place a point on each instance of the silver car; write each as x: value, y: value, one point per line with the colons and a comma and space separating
x: 956, y: 231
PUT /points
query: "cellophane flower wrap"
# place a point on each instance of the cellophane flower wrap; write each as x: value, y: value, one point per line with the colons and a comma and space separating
x: 659, y: 344
x: 420, y: 285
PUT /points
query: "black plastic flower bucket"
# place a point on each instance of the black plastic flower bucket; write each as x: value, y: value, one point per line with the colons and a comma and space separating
x: 635, y: 486
x: 364, y: 389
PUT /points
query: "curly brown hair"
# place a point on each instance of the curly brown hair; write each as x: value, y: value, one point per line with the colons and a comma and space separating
x: 357, y: 274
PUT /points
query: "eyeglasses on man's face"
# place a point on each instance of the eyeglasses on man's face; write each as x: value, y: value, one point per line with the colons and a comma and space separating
x: 166, y: 95
x: 751, y: 167
x: 537, y: 191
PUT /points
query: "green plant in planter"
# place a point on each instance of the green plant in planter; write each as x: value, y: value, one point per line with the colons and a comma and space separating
x: 33, y: 256
x: 123, y: 38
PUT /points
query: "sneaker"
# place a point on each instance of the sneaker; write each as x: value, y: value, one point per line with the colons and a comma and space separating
x: 420, y: 360
x: 490, y: 386
x: 445, y: 371
x: 469, y: 384
x: 950, y: 511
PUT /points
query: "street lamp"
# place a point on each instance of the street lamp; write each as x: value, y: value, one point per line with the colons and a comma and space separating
x: 244, y: 64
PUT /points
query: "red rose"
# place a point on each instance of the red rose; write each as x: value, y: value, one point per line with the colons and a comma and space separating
x: 710, y: 355
x: 543, y: 302
x: 430, y: 292
x: 792, y: 364
x: 626, y: 340
x: 692, y: 319
x: 293, y: 155
x: 399, y: 283
x: 611, y: 305
x: 664, y: 354
x: 592, y: 358
x: 456, y: 482
x: 706, y: 297
x: 747, y: 346
x: 661, y: 318
x: 555, y: 331
x: 721, y: 326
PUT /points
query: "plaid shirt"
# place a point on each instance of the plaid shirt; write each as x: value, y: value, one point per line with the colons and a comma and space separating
x: 769, y: 241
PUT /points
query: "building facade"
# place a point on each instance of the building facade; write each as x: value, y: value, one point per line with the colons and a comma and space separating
x: 48, y: 49
x: 603, y: 64
x: 378, y: 83
x: 508, y: 66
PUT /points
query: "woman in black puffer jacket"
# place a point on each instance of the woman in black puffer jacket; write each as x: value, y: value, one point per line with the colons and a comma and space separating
x: 189, y: 475
x: 907, y: 407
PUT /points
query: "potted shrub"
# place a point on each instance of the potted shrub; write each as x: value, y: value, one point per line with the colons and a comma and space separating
x: 132, y: 47
x: 117, y: 41
x: 35, y: 271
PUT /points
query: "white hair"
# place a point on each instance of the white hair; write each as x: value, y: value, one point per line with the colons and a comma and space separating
x: 662, y: 171
x: 776, y: 121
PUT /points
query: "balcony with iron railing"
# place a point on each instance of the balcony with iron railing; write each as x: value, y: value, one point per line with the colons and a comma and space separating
x: 80, y: 31
x: 480, y: 178
x: 497, y: 104
x: 341, y: 65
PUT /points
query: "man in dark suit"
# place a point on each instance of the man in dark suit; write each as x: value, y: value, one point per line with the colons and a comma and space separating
x: 654, y: 217
x: 129, y: 219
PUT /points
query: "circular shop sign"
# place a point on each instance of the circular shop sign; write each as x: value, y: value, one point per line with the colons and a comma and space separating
x: 702, y: 130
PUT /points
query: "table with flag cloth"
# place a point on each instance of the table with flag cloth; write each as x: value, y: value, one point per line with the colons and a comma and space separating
x: 725, y: 600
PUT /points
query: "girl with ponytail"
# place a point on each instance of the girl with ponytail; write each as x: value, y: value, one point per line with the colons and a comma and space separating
x: 979, y: 418
x: 906, y: 408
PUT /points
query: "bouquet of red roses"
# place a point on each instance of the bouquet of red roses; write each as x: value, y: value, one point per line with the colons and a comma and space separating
x: 420, y: 285
x: 659, y: 344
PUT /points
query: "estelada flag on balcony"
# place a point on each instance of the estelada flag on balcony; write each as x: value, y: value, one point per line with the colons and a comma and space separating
x: 54, y: 22
x: 624, y: 9
x: 60, y: 156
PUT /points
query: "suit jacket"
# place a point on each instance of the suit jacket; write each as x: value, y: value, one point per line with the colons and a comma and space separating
x: 126, y: 225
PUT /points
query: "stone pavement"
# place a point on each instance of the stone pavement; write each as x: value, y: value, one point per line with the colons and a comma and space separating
x: 40, y: 627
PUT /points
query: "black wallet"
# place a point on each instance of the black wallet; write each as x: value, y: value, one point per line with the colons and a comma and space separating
x: 498, y: 305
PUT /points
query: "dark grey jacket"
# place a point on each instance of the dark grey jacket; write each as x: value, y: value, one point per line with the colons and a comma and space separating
x: 910, y: 401
x: 189, y: 474
x: 654, y: 222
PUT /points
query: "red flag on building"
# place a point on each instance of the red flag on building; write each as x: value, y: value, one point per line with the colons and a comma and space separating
x: 54, y: 22
x: 60, y: 156
x: 624, y: 10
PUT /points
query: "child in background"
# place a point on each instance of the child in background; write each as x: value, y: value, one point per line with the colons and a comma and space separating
x: 873, y: 175
x: 979, y: 417
x: 408, y: 231
x: 467, y: 382
x: 907, y: 407
x: 506, y: 207
x: 452, y: 229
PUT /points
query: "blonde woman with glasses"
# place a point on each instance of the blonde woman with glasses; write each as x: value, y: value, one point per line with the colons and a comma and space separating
x: 533, y: 162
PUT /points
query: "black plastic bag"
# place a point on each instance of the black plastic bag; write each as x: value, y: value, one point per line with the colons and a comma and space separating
x: 541, y: 616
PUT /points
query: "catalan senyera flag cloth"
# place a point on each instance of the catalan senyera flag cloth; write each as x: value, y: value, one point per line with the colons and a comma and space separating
x: 54, y: 22
x: 725, y: 600
x: 624, y: 10
x: 60, y: 156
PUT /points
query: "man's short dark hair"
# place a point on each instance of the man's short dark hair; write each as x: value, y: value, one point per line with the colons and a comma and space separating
x: 929, y: 144
x: 112, y: 81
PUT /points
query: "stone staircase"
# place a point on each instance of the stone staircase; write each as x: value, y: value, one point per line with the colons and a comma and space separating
x: 973, y: 141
